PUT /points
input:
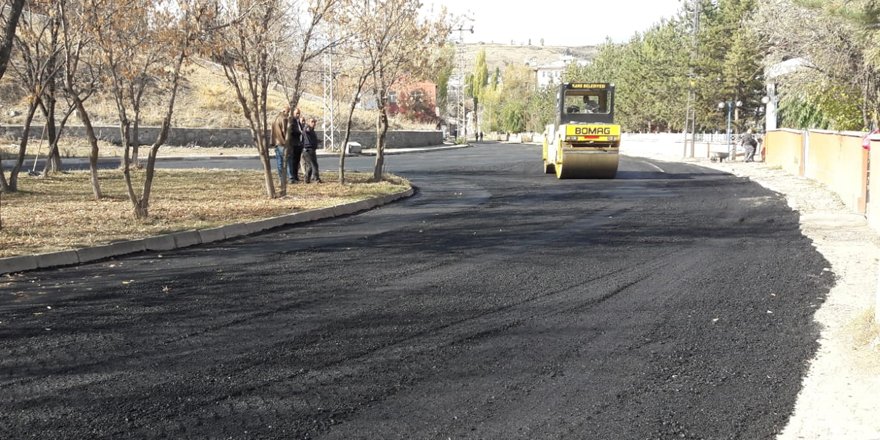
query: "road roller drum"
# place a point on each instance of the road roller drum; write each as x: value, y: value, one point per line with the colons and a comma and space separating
x: 589, y: 164
x: 584, y: 142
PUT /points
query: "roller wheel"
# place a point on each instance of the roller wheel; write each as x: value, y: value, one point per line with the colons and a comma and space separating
x: 549, y: 168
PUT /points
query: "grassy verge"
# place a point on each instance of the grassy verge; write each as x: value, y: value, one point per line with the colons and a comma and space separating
x: 80, y: 148
x: 59, y: 212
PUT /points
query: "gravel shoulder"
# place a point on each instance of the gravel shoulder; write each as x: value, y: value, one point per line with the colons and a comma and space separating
x: 840, y: 393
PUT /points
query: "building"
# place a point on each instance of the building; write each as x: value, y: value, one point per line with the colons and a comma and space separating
x: 414, y: 100
x: 551, y: 73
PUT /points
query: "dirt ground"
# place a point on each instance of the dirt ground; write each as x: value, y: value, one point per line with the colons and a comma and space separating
x: 840, y: 394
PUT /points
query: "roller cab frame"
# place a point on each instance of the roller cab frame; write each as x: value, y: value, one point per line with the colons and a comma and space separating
x: 584, y: 142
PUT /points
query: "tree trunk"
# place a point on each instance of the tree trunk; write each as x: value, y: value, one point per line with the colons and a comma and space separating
x: 267, y: 170
x: 4, y: 185
x: 93, y: 141
x: 135, y: 137
x: 346, y: 137
x: 53, y: 161
x: 381, y: 134
x: 261, y: 141
x: 125, y: 128
x: 142, y: 208
x: 354, y: 100
x: 22, y: 148
x: 9, y: 34
x: 51, y: 132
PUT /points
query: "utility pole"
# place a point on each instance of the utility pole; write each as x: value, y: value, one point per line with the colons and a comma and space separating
x: 460, y: 110
x: 690, y: 122
x: 328, y: 122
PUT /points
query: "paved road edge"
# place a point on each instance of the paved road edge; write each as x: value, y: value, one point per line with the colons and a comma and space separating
x: 182, y: 239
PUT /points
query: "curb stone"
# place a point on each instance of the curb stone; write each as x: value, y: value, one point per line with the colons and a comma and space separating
x: 317, y: 214
x: 187, y: 238
x: 212, y: 234
x: 18, y: 264
x: 54, y: 259
x: 110, y: 250
x: 160, y: 243
x: 183, y: 239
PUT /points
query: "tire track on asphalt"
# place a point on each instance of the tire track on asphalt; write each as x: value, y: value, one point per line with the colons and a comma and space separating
x: 437, y: 337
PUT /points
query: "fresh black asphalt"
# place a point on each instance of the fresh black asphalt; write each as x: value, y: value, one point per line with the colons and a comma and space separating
x: 497, y: 303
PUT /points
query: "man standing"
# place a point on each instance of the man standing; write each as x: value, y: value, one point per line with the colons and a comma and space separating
x: 279, y: 139
x: 296, y: 135
x: 749, y: 144
x: 310, y: 155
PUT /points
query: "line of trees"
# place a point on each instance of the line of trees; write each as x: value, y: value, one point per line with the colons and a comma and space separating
x: 136, y: 52
x: 822, y: 57
x: 655, y: 69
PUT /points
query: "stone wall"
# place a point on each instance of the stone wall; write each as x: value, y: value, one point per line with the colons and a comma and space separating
x: 227, y: 137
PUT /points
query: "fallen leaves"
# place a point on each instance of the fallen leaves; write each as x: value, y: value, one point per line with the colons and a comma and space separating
x: 59, y: 212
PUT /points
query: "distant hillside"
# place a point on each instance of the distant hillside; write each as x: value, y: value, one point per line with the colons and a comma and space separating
x: 205, y: 100
x: 500, y: 55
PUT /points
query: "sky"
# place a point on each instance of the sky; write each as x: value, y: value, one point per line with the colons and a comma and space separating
x: 558, y: 22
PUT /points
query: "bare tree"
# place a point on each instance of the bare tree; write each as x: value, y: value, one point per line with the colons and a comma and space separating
x: 184, y: 31
x: 34, y: 69
x: 153, y: 34
x: 82, y: 72
x: 53, y: 92
x: 370, y: 38
x: 319, y: 25
x: 248, y: 51
x: 404, y: 55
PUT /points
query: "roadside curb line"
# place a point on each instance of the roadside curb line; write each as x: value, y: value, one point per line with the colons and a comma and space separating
x: 182, y: 239
x: 321, y: 154
x: 395, y: 151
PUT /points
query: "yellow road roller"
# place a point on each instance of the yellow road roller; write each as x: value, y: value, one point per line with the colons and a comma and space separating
x: 584, y: 143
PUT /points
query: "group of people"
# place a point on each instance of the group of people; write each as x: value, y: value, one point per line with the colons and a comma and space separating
x: 303, y: 143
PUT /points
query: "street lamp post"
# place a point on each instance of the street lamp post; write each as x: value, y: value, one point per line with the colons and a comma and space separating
x: 730, y: 106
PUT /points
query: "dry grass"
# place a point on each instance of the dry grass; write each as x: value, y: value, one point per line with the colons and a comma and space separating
x: 73, y: 147
x: 864, y: 332
x: 59, y: 213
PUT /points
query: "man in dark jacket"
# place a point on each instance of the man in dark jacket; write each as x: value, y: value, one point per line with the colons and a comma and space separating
x: 310, y: 155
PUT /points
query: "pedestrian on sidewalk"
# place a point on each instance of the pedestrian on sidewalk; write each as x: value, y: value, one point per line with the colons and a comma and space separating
x: 310, y: 154
x: 750, y: 144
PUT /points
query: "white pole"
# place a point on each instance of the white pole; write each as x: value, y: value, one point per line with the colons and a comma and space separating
x: 877, y: 298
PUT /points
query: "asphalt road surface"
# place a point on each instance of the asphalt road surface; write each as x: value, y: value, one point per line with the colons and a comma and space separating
x: 498, y: 303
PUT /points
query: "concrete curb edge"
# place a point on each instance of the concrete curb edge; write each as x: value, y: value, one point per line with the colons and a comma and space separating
x: 182, y: 239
